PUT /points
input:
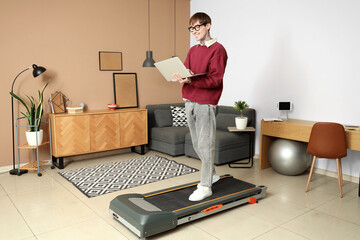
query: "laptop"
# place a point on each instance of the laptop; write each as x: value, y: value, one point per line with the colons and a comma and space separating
x: 174, y: 65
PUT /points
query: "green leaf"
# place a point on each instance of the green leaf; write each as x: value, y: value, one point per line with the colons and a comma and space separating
x: 33, y: 112
x: 20, y: 100
x: 241, y: 105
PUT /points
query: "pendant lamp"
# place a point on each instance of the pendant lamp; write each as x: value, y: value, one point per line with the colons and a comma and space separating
x: 149, y: 61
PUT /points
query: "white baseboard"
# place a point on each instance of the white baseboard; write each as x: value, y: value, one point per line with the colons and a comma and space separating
x: 334, y: 175
x: 74, y: 158
x: 4, y: 169
x: 328, y: 173
x: 8, y: 168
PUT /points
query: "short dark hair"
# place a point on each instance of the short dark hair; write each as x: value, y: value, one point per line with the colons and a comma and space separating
x: 202, y: 17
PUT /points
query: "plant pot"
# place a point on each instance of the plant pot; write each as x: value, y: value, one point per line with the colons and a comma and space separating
x: 31, y: 137
x: 241, y: 122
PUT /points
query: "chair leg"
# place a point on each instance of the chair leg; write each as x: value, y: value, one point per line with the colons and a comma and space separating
x: 311, y: 173
x: 339, y: 171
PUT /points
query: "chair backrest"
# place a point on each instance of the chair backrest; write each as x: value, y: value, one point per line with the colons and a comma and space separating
x: 327, y: 140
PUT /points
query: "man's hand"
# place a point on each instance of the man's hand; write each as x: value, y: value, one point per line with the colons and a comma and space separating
x: 177, y: 78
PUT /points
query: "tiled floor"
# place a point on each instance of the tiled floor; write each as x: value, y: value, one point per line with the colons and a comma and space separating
x: 49, y: 207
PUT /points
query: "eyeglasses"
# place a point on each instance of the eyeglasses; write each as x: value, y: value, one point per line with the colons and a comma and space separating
x: 196, y: 27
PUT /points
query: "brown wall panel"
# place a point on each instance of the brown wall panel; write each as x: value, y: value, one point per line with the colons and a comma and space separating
x: 66, y: 37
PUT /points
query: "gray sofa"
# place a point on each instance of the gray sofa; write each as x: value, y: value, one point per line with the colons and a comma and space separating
x: 175, y: 141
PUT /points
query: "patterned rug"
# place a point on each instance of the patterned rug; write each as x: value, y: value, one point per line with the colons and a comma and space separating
x: 110, y: 177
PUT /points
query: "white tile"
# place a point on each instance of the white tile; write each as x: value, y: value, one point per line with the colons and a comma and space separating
x: 40, y: 198
x: 2, y: 191
x: 101, y: 203
x: 56, y: 216
x: 316, y: 225
x: 28, y: 182
x: 295, y: 192
x: 12, y: 225
x: 70, y: 187
x: 226, y: 225
x: 91, y: 229
x: 346, y: 208
x: 274, y: 210
x: 279, y: 234
x: 354, y: 193
x: 269, y: 178
x: 331, y: 186
x: 52, y: 208
x: 186, y: 231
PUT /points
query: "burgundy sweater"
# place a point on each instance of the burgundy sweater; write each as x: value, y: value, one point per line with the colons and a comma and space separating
x: 205, y: 89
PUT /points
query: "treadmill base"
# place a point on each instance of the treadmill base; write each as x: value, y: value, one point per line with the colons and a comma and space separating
x: 160, y: 211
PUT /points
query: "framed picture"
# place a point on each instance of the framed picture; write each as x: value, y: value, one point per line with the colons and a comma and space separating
x: 125, y: 90
x: 110, y: 61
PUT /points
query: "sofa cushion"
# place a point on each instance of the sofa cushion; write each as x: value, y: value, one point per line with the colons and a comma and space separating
x: 225, y: 120
x: 226, y: 140
x: 163, y: 118
x: 173, y: 135
x: 178, y: 116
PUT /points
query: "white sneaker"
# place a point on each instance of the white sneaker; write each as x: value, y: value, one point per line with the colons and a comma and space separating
x: 215, y: 179
x: 200, y: 193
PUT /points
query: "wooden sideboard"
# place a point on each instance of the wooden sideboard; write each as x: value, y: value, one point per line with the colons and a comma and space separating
x: 97, y: 131
x: 294, y: 129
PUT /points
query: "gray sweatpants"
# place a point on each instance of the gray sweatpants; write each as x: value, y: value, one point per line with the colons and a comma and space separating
x: 202, y: 125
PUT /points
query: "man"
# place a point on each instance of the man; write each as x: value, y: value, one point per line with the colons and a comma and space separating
x: 201, y: 95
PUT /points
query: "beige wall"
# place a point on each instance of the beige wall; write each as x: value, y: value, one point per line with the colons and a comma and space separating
x: 65, y: 37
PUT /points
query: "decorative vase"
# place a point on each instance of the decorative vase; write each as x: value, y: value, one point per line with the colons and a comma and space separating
x: 31, y: 137
x: 241, y: 122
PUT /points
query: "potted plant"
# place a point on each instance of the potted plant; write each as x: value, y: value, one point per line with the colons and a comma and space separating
x: 32, y: 113
x: 241, y: 122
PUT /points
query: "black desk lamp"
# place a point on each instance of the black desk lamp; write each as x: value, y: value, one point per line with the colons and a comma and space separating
x: 38, y: 70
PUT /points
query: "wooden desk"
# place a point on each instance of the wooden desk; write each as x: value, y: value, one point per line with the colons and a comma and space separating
x: 294, y: 129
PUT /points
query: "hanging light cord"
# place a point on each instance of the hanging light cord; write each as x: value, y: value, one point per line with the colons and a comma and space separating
x: 174, y: 27
x: 149, y: 21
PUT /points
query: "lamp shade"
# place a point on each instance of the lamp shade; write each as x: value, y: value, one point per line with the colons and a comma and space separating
x: 149, y: 61
x: 38, y: 70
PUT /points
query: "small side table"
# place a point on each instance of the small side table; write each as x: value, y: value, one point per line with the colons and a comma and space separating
x: 36, y: 163
x: 251, y: 132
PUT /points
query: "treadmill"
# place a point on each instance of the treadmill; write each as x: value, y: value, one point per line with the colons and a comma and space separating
x: 156, y: 212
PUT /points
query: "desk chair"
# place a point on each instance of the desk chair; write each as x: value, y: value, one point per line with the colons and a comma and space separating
x: 327, y: 140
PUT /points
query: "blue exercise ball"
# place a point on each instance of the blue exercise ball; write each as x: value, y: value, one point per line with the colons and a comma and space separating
x: 289, y: 157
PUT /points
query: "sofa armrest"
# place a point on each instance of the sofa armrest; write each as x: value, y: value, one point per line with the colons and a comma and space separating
x: 250, y: 113
x: 151, y: 114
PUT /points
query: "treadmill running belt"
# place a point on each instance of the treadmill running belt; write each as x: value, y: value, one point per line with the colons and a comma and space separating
x: 175, y: 200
